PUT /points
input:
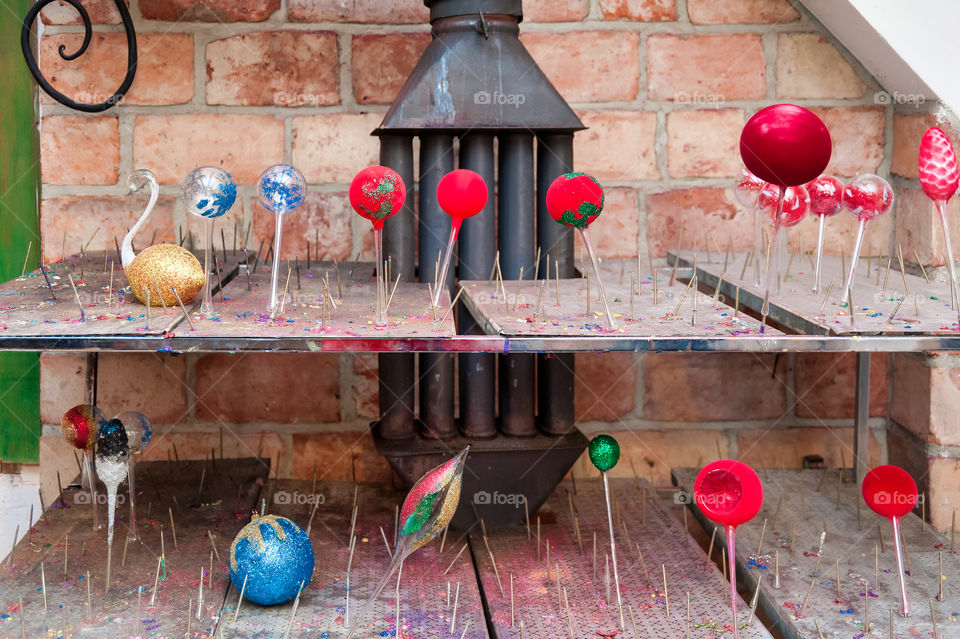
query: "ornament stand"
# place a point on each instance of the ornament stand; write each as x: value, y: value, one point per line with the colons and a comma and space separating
x: 849, y: 539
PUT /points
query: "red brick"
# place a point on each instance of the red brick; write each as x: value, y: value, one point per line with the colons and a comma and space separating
x: 825, y: 385
x: 274, y: 68
x: 152, y: 383
x: 785, y: 447
x: 809, y: 66
x: 555, y: 10
x: 858, y: 138
x: 840, y: 233
x: 918, y: 227
x: 606, y: 386
x: 333, y: 147
x: 282, y: 388
x: 366, y: 385
x: 328, y: 213
x: 79, y: 217
x: 198, y: 444
x: 643, y: 10
x: 618, y: 145
x: 608, y: 55
x: 691, y: 387
x: 209, y: 10
x: 337, y: 456
x: 653, y: 453
x: 164, y: 67
x: 701, y: 211
x: 907, y: 132
x: 704, y: 143
x: 173, y: 145
x: 100, y: 12
x: 714, y: 68
x: 382, y: 62
x: 614, y: 234
x: 62, y: 384
x: 79, y: 150
x: 944, y: 494
x: 925, y: 400
x: 382, y: 11
x: 740, y: 11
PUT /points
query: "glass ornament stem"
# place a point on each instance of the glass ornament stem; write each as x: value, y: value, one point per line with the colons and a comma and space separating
x: 757, y: 245
x: 945, y: 224
x: 732, y: 570
x: 613, y: 546
x: 206, y: 305
x: 133, y: 491
x: 853, y: 262
x: 92, y: 475
x: 381, y: 318
x: 816, y: 271
x: 445, y: 267
x: 782, y: 251
x: 773, y: 258
x: 585, y: 236
x: 274, y: 302
x: 898, y: 550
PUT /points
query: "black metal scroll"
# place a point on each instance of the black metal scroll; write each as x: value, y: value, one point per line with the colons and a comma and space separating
x: 31, y: 60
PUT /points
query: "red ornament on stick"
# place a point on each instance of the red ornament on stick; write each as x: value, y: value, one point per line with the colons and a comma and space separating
x: 461, y: 194
x: 377, y: 193
x: 786, y: 145
x: 891, y: 492
x: 576, y: 200
x: 826, y: 200
x: 866, y: 196
x: 939, y: 177
x: 729, y: 493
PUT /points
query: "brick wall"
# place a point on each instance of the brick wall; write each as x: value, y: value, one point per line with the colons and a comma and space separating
x: 664, y: 87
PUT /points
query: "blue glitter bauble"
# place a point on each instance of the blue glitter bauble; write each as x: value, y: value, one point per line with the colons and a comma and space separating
x: 281, y: 188
x: 208, y: 192
x: 275, y: 556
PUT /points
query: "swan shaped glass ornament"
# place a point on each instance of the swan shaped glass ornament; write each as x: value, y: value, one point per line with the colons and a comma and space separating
x: 208, y: 192
x: 161, y: 268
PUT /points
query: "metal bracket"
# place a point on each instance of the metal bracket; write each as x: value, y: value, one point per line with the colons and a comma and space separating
x: 482, y: 26
x: 28, y: 55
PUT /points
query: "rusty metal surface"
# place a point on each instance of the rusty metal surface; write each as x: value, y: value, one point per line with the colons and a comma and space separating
x: 219, y: 503
x: 809, y: 501
x: 593, y: 609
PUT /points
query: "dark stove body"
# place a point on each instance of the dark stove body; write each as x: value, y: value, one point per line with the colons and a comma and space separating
x: 477, y: 100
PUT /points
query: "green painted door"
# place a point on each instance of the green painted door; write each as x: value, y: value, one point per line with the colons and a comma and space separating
x: 20, y: 425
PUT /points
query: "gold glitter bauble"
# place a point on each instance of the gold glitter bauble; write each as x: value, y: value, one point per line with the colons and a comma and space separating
x: 165, y: 266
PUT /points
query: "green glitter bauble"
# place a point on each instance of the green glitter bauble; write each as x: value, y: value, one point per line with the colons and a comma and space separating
x: 604, y: 452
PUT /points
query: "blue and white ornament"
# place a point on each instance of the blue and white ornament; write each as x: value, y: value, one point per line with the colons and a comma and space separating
x: 208, y: 192
x: 275, y: 557
x: 281, y: 188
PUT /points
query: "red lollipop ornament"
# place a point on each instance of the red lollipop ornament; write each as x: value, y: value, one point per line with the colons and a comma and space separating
x: 729, y: 493
x: 867, y: 196
x: 826, y: 200
x: 461, y: 194
x: 576, y: 200
x: 786, y: 145
x: 891, y: 492
x: 939, y: 177
x: 377, y: 193
x: 80, y: 426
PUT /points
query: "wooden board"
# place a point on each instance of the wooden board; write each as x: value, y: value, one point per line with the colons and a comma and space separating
x: 243, y: 313
x: 564, y: 307
x: 925, y: 309
x: 219, y: 505
x: 593, y: 607
x: 851, y: 538
x: 29, y: 307
x: 424, y: 612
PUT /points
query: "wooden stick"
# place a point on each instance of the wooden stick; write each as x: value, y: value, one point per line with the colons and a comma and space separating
x: 240, y: 600
x: 805, y: 599
x: 753, y: 602
x: 76, y: 295
x: 776, y: 569
x: 456, y: 600
x: 455, y: 559
x: 43, y: 585
x: 763, y: 529
x: 933, y: 618
x: 450, y: 308
x: 183, y: 308
x: 922, y: 270
x: 666, y: 596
